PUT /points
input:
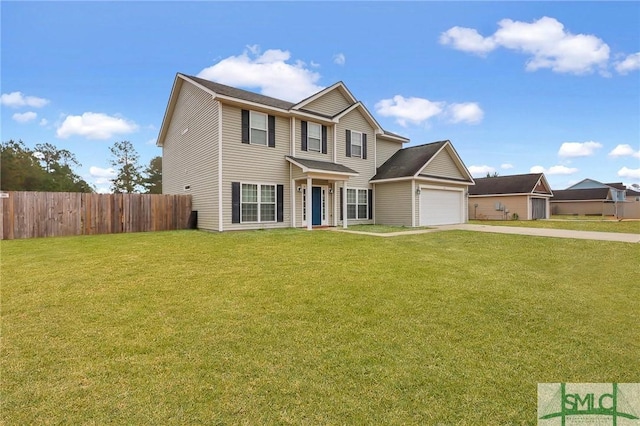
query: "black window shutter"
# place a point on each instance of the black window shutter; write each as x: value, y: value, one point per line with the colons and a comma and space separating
x: 245, y: 126
x: 364, y: 146
x: 303, y: 135
x: 370, y: 200
x: 280, y: 200
x: 324, y: 139
x: 235, y: 202
x: 341, y: 201
x: 348, y: 141
x: 272, y: 131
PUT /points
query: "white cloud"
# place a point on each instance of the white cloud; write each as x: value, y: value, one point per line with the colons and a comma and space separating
x: 24, y: 117
x: 624, y: 150
x: 152, y: 141
x: 94, y: 126
x: 506, y: 166
x: 339, y: 59
x: 467, y: 40
x: 554, y: 170
x: 578, y: 149
x: 269, y: 71
x: 102, y: 176
x: 44, y: 122
x: 630, y: 63
x: 545, y: 41
x: 629, y: 173
x: 412, y: 110
x: 17, y: 100
x: 468, y: 112
x: 481, y: 171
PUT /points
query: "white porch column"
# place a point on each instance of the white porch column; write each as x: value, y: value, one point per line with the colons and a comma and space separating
x: 293, y: 203
x: 309, y: 212
x: 344, y: 204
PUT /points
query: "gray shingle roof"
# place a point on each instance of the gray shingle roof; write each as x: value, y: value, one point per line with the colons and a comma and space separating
x: 514, y: 184
x: 323, y: 165
x: 241, y: 94
x: 407, y: 161
x: 580, y: 194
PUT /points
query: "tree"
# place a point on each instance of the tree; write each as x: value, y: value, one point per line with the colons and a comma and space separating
x: 153, y: 180
x: 125, y: 160
x: 46, y: 168
x: 495, y: 174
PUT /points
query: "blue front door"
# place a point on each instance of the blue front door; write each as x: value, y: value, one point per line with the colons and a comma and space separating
x: 316, y: 205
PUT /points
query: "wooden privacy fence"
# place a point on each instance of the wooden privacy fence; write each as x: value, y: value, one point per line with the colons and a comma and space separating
x: 51, y: 214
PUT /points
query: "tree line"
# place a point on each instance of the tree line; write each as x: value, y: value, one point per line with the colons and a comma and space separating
x: 50, y: 169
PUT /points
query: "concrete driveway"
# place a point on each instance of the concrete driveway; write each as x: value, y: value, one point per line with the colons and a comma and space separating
x: 536, y: 232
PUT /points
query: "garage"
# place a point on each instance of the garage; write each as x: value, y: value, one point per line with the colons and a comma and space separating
x: 441, y: 207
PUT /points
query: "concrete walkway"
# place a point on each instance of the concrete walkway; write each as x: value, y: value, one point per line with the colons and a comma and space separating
x: 537, y: 232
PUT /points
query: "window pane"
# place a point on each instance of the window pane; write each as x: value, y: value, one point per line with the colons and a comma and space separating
x: 351, y: 211
x: 362, y: 211
x: 268, y: 194
x: 258, y: 121
x: 267, y: 212
x: 351, y: 196
x: 314, y: 130
x: 356, y: 151
x: 356, y: 138
x: 313, y: 144
x: 249, y: 193
x: 258, y: 137
x: 362, y: 196
x: 249, y: 212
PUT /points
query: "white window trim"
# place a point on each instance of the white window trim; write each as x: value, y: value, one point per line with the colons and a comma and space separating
x: 357, y: 204
x: 266, y: 128
x: 309, y: 125
x: 353, y: 132
x: 259, y: 202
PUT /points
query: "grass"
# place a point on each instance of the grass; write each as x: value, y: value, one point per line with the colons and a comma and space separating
x: 296, y: 327
x: 628, y: 227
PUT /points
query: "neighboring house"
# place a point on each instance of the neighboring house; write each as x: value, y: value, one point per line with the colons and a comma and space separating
x: 251, y: 161
x: 505, y: 197
x: 592, y: 198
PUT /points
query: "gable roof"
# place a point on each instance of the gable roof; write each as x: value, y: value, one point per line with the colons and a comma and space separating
x: 336, y: 86
x: 244, y: 95
x: 513, y: 184
x: 408, y: 162
x: 592, y: 194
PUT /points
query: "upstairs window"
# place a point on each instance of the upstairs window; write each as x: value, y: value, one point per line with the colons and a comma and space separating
x: 314, y: 137
x: 356, y: 144
x: 258, y: 128
x: 258, y: 125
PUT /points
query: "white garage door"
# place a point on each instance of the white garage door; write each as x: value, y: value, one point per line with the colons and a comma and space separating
x: 440, y: 207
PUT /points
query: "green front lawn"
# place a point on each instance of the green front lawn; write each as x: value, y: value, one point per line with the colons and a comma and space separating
x: 628, y: 227
x: 297, y: 327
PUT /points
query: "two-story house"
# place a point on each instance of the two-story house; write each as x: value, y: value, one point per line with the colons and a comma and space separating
x: 251, y: 161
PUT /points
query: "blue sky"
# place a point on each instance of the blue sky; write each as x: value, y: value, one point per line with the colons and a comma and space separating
x: 517, y: 87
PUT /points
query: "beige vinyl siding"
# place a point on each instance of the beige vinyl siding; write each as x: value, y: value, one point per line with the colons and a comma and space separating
x: 313, y: 155
x: 329, y: 104
x: 192, y: 158
x: 355, y: 121
x: 393, y: 203
x: 486, y: 209
x: 442, y: 165
x: 253, y: 164
x: 385, y: 149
